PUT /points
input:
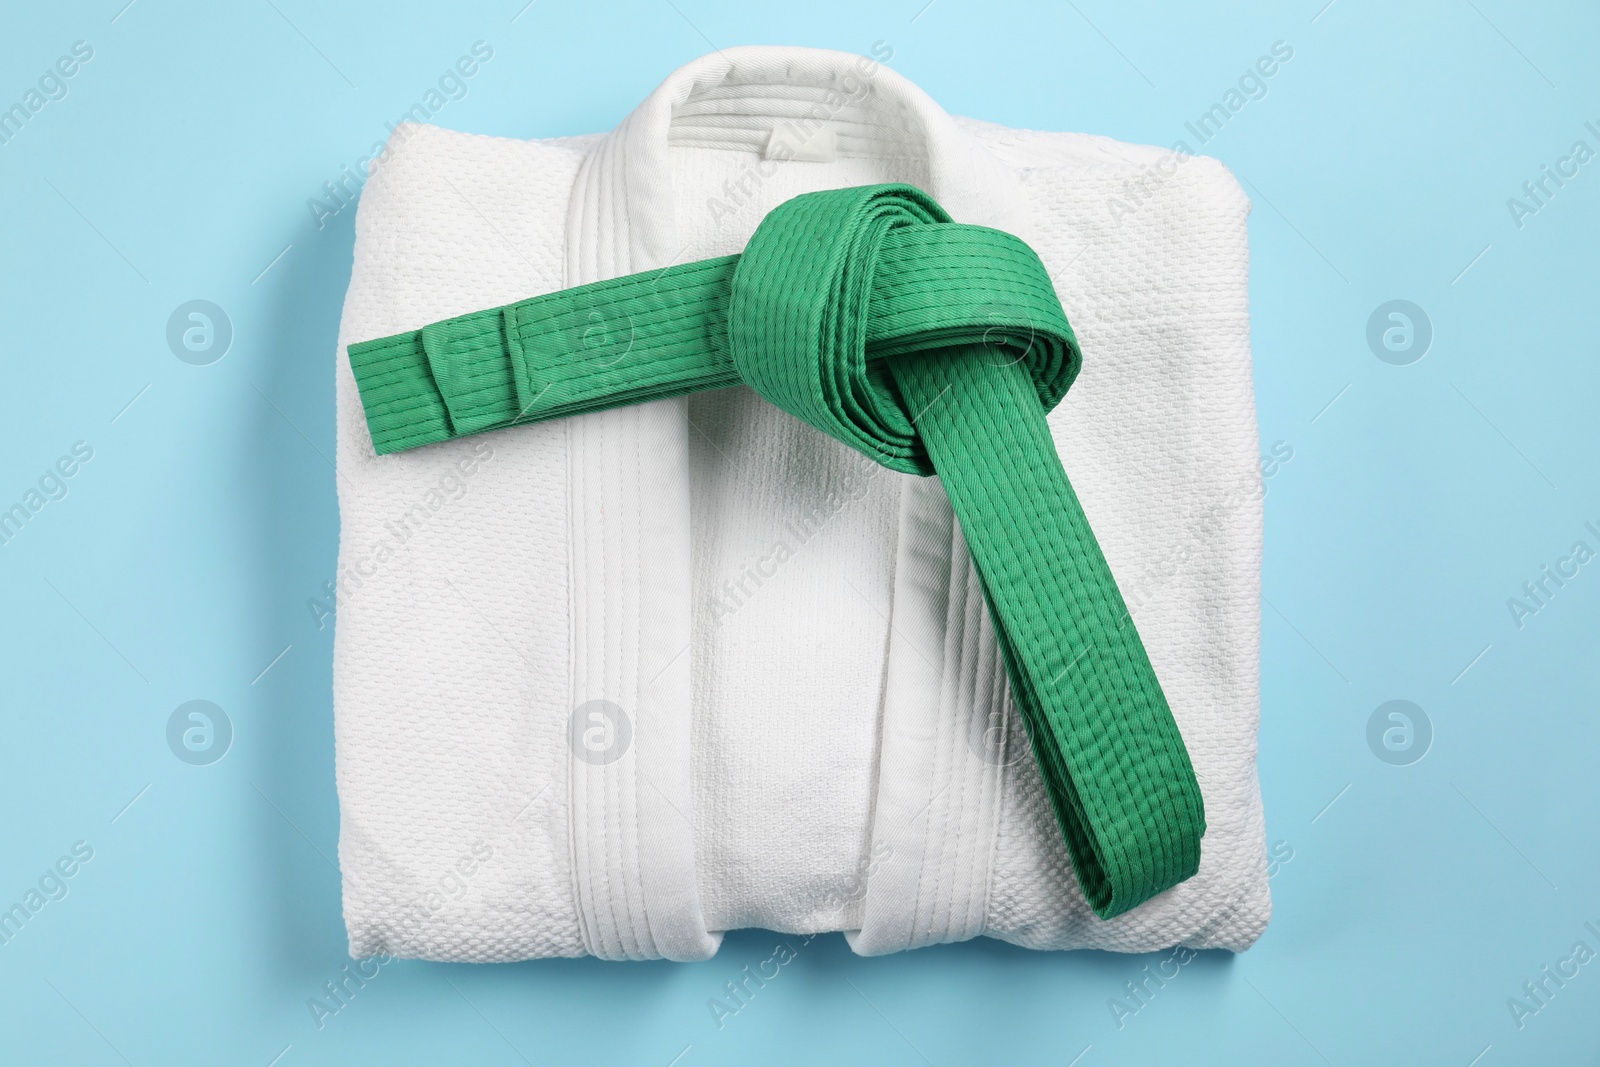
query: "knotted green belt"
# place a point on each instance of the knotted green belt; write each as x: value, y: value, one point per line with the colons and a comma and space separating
x: 927, y: 345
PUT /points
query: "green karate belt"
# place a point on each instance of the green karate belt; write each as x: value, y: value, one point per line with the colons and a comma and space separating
x: 931, y: 347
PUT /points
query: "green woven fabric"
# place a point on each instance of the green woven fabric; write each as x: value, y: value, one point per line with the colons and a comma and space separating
x: 931, y: 347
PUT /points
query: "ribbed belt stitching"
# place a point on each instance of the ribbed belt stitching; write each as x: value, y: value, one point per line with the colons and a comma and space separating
x: 929, y: 346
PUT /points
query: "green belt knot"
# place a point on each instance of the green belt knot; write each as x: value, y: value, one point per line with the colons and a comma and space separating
x: 831, y: 283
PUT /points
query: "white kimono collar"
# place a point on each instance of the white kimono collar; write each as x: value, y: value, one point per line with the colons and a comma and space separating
x: 622, y: 212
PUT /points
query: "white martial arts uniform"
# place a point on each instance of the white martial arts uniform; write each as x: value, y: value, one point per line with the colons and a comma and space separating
x: 614, y: 684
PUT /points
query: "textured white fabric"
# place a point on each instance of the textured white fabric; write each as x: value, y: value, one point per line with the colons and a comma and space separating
x: 636, y: 678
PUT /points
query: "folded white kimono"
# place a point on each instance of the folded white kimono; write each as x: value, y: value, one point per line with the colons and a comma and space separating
x: 616, y: 683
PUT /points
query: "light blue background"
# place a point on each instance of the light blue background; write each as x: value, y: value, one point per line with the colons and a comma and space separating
x: 1418, y: 898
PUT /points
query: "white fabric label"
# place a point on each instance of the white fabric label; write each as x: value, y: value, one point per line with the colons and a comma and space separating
x: 789, y: 141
